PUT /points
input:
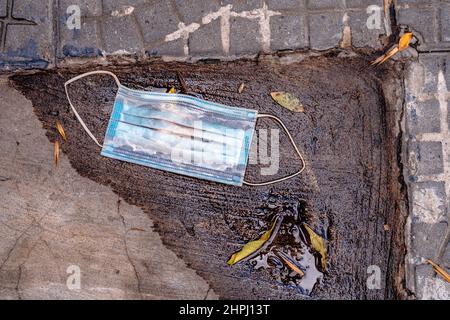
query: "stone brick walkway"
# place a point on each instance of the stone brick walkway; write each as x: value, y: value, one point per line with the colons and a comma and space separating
x: 45, y: 33
x: 40, y: 33
x: 428, y: 172
x: 427, y: 138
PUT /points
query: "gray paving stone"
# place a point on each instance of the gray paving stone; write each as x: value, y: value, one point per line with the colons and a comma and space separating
x: 428, y: 284
x: 362, y: 36
x: 242, y: 5
x: 88, y: 8
x: 424, y: 117
x: 432, y: 288
x: 244, y: 35
x: 409, y: 2
x: 445, y: 22
x: 285, y: 4
x: 121, y: 33
x: 429, y: 202
x: 28, y: 39
x: 432, y: 65
x: 194, y: 10
x: 2, y: 8
x: 428, y: 157
x: 325, y: 4
x: 157, y: 21
x: 33, y: 10
x: 110, y: 5
x: 288, y: 32
x: 362, y: 3
x: 205, y: 40
x: 424, y: 271
x: 332, y: 22
x: 448, y: 115
x: 173, y: 48
x: 422, y: 20
x: 445, y: 61
x: 446, y: 257
x: 427, y: 239
x: 80, y: 43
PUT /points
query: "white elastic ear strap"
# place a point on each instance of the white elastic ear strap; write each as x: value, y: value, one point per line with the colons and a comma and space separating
x: 83, y: 124
x: 295, y: 148
x: 75, y: 110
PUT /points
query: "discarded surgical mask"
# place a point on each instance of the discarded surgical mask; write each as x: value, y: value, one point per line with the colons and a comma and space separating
x: 180, y: 134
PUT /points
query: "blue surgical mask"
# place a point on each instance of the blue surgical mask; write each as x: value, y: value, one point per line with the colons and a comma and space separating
x: 180, y: 134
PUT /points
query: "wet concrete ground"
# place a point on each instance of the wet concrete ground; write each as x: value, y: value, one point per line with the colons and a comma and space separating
x: 351, y: 192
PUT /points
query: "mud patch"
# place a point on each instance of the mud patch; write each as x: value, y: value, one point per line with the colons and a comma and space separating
x: 349, y: 192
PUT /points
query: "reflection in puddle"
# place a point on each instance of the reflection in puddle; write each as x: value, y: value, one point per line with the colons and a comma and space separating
x: 290, y: 243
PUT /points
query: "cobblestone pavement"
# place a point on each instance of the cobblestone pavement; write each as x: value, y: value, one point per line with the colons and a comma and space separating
x: 41, y: 33
x: 428, y: 171
x: 45, y: 33
x: 427, y: 140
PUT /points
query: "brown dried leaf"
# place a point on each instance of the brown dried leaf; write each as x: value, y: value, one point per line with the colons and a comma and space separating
x: 319, y: 244
x: 439, y: 270
x: 241, y: 88
x: 288, y: 101
x: 61, y: 131
x: 385, y: 57
x: 56, y: 152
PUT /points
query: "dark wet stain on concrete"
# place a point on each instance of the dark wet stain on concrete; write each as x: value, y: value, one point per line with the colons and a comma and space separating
x: 348, y: 193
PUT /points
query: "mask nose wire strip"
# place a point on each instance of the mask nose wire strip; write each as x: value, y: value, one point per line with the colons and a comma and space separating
x: 295, y: 148
x: 75, y: 110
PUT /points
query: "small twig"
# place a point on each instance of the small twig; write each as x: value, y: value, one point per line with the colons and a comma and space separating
x: 184, y: 88
x: 182, y: 83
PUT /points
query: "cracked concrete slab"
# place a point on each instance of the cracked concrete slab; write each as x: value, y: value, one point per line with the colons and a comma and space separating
x: 54, y: 221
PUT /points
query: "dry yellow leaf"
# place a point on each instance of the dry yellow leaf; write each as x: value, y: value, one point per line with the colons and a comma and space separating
x: 291, y: 264
x: 404, y: 41
x: 440, y: 271
x: 251, y: 247
x: 241, y: 88
x: 288, y: 101
x: 403, y: 44
x: 60, y: 129
x: 385, y: 57
x: 171, y: 90
x: 56, y: 152
x: 388, y: 55
x: 319, y: 244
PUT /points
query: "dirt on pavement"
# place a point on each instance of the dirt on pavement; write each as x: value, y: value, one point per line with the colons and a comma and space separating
x: 351, y: 192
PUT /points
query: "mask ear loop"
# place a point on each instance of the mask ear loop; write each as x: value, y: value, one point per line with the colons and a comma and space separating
x: 73, y: 108
x: 295, y: 148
